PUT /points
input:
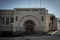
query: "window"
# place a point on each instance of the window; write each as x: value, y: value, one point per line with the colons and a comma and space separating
x: 49, y: 24
x: 16, y: 18
x: 11, y: 20
x: 2, y: 27
x: 7, y: 21
x: 42, y: 19
x: 2, y: 20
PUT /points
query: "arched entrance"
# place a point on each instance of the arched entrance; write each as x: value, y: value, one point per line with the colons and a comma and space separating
x: 29, y: 25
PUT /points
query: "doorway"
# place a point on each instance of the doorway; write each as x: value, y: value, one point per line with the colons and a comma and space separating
x: 29, y: 25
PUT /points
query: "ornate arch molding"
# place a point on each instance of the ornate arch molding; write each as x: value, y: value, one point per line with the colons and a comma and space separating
x: 29, y: 16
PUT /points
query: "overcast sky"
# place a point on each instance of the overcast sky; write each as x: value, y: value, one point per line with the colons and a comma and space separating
x: 53, y: 6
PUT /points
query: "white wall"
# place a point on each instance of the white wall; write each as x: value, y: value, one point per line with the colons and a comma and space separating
x: 58, y: 25
x: 40, y: 25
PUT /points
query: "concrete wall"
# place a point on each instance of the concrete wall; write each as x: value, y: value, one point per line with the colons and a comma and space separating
x: 24, y: 14
x: 35, y: 16
x: 55, y: 24
x: 58, y: 25
x: 47, y: 22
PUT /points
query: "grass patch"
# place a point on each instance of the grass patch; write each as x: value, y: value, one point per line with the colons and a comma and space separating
x: 52, y: 32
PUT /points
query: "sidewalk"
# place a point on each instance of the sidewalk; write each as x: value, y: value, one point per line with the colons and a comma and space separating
x: 58, y: 33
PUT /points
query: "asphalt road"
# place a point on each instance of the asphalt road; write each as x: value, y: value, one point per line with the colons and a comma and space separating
x: 58, y: 33
x: 31, y: 38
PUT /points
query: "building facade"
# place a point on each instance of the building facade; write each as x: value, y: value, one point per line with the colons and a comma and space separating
x: 26, y: 20
x: 58, y: 24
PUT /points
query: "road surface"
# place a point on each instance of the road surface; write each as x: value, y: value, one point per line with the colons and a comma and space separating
x: 45, y: 37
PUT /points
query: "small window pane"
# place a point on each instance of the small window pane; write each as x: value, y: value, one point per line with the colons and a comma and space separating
x: 2, y: 20
x: 7, y: 20
x: 42, y: 19
x: 11, y: 20
x: 16, y: 18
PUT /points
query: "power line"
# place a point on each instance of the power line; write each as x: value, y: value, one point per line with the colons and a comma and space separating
x: 36, y: 4
x: 40, y: 3
x: 29, y: 3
